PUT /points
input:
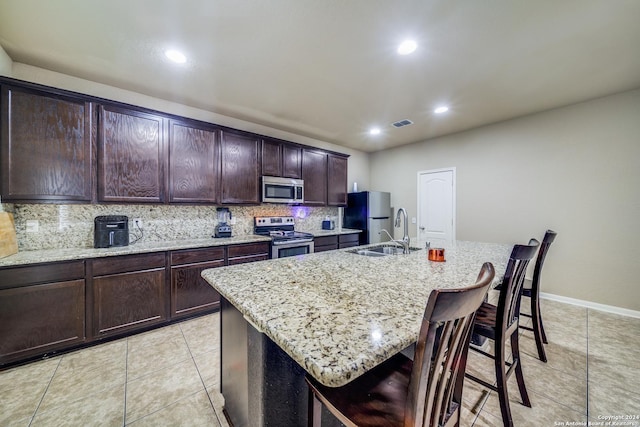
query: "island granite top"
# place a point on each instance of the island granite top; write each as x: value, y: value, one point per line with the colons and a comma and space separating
x: 339, y: 314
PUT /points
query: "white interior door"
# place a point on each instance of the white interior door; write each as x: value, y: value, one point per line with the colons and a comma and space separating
x: 436, y: 206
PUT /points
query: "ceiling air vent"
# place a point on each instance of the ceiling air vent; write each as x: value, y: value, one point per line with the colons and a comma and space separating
x: 402, y: 123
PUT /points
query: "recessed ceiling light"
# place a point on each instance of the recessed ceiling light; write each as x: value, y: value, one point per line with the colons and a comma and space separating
x: 176, y: 56
x: 374, y: 131
x: 441, y: 110
x: 407, y: 47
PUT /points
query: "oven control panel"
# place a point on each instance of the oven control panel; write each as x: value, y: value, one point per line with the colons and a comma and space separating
x: 262, y: 221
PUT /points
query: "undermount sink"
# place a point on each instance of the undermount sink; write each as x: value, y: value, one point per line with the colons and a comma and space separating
x: 382, y: 250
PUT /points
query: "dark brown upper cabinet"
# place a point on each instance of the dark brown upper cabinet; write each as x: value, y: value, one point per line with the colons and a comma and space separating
x: 336, y: 180
x: 240, y: 180
x: 281, y: 159
x: 271, y: 158
x: 291, y: 161
x: 58, y: 146
x: 314, y: 174
x: 45, y: 147
x: 131, y: 156
x: 193, y: 163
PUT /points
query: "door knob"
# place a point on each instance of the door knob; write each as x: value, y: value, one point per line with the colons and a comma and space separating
x: 422, y: 228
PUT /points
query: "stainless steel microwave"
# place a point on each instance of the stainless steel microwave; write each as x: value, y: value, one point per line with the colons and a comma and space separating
x: 282, y: 190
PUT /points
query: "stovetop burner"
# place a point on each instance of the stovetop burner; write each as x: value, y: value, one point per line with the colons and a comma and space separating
x: 280, y: 228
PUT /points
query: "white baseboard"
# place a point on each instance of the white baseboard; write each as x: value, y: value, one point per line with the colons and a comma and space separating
x: 593, y: 305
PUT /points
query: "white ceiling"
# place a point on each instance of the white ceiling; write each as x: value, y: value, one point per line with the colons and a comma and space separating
x: 328, y: 69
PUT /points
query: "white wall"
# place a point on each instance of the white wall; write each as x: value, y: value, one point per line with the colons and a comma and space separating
x: 358, y: 166
x: 5, y: 63
x: 574, y: 169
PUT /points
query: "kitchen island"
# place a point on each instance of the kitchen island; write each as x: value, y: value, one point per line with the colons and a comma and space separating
x: 334, y: 315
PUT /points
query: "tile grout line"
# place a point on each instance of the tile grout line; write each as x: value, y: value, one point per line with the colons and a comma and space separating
x: 200, y: 375
x: 587, y: 379
x: 33, y: 417
x: 126, y: 381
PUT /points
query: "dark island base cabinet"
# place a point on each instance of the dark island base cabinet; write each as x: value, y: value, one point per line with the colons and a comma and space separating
x: 190, y: 293
x: 43, y: 310
x: 261, y: 384
x: 126, y: 298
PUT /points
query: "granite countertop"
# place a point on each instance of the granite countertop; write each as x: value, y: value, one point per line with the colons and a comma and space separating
x: 51, y: 255
x: 339, y: 314
x: 335, y: 232
x: 71, y: 254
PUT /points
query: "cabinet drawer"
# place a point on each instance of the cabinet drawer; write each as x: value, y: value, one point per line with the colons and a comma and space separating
x: 348, y: 238
x: 249, y: 258
x: 248, y: 249
x: 325, y: 240
x: 348, y: 245
x: 30, y: 275
x: 324, y: 248
x: 190, y: 256
x: 125, y: 263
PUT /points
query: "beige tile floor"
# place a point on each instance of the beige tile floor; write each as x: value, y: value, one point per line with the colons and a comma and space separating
x: 169, y: 377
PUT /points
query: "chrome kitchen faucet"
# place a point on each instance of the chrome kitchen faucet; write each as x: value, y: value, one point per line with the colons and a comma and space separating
x: 405, y: 239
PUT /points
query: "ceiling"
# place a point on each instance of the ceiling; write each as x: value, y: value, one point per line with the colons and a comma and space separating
x: 328, y: 69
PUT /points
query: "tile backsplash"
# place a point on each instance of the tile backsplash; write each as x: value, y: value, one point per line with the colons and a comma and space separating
x: 71, y: 226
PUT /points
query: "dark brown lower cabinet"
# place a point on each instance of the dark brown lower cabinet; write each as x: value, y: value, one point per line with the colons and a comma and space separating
x: 248, y: 252
x: 190, y: 293
x: 348, y: 240
x: 325, y: 243
x: 128, y: 293
x: 60, y: 306
x: 41, y: 309
x: 329, y: 243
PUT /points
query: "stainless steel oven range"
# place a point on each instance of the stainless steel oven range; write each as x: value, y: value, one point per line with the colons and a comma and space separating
x: 285, y: 241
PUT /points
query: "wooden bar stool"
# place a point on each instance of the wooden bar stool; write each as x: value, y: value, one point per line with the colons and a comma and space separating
x: 500, y: 323
x: 425, y: 392
x: 533, y: 292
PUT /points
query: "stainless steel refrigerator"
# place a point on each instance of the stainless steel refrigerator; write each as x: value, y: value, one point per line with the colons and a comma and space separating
x: 369, y: 211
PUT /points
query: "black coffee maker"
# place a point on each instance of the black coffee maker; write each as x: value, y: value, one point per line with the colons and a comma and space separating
x: 110, y: 230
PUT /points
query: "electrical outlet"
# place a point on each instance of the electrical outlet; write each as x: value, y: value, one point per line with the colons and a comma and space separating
x: 33, y: 226
x: 413, y: 220
x: 137, y: 223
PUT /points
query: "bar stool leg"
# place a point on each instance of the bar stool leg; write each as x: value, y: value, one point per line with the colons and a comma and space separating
x: 538, y: 329
x: 501, y: 382
x: 515, y: 353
